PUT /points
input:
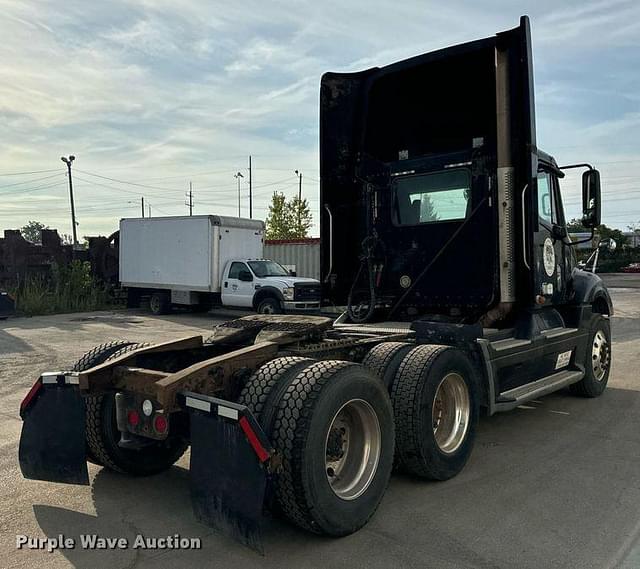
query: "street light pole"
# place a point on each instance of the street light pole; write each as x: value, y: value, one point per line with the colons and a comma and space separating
x: 68, y: 162
x: 237, y: 177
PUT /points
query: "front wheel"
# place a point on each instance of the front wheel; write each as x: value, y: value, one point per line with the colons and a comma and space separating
x: 597, y: 360
x: 269, y: 306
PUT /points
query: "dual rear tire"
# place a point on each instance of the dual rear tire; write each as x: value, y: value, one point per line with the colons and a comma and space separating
x: 337, y: 426
x: 332, y: 423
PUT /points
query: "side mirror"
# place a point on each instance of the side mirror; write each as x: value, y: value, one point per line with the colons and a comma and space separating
x: 245, y: 276
x: 609, y: 244
x: 293, y: 273
x: 591, y: 199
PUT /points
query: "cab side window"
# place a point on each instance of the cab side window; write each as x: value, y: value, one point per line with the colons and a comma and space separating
x: 234, y: 270
x: 546, y: 209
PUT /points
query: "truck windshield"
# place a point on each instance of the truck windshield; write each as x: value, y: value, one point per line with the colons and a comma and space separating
x: 428, y: 198
x: 268, y: 269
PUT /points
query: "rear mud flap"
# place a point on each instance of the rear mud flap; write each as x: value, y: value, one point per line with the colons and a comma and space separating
x: 229, y: 458
x: 52, y: 443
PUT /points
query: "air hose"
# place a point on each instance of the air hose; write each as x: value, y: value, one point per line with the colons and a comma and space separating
x: 355, y: 313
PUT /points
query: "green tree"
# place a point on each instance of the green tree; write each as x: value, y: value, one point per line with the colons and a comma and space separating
x: 288, y: 219
x: 575, y: 226
x: 602, y: 231
x: 31, y: 231
x: 279, y: 220
x: 302, y: 220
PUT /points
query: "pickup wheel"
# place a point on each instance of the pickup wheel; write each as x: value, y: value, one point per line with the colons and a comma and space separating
x: 384, y: 360
x: 598, y: 360
x: 269, y: 305
x: 263, y: 391
x: 334, y: 429
x: 159, y: 303
x: 435, y: 402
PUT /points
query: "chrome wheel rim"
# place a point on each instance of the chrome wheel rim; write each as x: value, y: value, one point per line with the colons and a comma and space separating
x: 352, y: 449
x: 600, y: 355
x: 450, y: 413
x: 154, y: 304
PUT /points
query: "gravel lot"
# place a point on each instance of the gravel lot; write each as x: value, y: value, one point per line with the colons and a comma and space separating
x: 556, y: 484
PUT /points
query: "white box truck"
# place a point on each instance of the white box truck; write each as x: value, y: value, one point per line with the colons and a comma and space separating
x: 207, y: 260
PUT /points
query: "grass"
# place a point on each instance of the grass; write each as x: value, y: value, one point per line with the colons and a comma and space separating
x: 70, y: 288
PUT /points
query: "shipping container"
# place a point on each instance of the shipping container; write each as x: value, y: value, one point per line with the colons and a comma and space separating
x: 299, y: 255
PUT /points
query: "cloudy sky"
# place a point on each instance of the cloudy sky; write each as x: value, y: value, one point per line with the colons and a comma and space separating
x: 155, y: 94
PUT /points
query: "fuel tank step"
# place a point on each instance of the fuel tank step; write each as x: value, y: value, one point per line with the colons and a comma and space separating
x: 510, y: 399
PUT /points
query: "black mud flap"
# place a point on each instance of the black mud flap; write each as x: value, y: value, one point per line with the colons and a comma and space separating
x: 52, y: 443
x: 229, y: 467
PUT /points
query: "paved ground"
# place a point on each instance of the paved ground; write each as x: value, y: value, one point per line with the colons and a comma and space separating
x: 554, y: 485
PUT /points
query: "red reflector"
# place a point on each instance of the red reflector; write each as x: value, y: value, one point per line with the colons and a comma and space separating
x: 35, y: 388
x: 160, y: 423
x: 253, y: 440
x: 133, y: 418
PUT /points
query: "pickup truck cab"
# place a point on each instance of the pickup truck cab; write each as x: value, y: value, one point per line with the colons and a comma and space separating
x: 267, y: 287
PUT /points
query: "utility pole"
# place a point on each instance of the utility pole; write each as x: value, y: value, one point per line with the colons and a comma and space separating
x: 68, y: 162
x: 237, y: 177
x: 142, y: 204
x: 190, y: 204
x: 299, y: 174
x: 250, y: 191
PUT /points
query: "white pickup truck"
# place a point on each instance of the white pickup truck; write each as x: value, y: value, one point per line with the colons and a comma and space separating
x: 204, y: 261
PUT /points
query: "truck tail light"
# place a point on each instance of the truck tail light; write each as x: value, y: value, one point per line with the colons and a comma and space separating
x: 133, y: 417
x: 160, y: 424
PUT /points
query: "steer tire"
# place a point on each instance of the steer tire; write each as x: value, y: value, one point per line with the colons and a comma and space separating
x: 264, y: 389
x: 423, y: 370
x: 102, y: 432
x: 384, y: 360
x: 596, y: 376
x: 301, y: 434
x: 269, y: 305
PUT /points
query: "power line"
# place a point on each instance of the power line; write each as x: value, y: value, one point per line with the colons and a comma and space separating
x: 27, y: 173
x: 36, y: 189
x: 125, y: 182
x: 32, y: 180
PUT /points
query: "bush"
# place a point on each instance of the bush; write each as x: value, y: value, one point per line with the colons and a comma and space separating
x: 71, y: 288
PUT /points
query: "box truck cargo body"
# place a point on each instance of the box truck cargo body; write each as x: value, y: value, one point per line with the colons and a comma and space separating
x: 185, y: 253
x: 203, y: 261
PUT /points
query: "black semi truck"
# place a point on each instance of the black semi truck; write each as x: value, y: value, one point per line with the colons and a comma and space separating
x: 443, y: 243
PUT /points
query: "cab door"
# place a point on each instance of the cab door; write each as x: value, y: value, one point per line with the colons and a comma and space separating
x: 237, y: 286
x: 549, y: 240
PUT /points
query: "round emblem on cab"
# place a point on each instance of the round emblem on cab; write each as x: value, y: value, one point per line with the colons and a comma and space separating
x: 548, y: 257
x: 405, y: 281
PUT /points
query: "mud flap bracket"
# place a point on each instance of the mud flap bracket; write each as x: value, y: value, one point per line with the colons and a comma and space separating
x: 230, y: 456
x: 52, y: 443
